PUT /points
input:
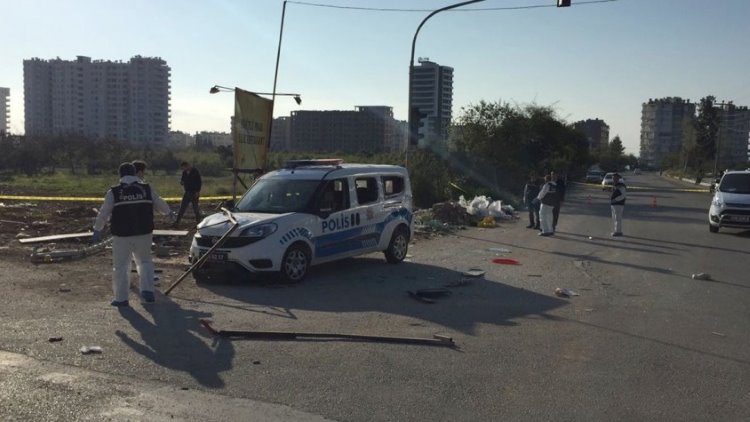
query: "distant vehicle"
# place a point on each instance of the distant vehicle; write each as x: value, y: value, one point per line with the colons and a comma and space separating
x: 310, y: 212
x: 594, y: 177
x: 636, y: 171
x: 730, y: 206
x: 608, y: 181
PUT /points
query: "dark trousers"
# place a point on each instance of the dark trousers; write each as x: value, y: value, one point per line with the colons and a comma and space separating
x: 556, y: 214
x: 533, y: 215
x: 187, y: 198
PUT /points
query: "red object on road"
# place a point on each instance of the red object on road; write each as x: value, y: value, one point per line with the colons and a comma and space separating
x: 506, y: 261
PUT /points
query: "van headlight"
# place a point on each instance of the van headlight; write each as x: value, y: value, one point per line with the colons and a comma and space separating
x: 717, y: 202
x: 259, y: 231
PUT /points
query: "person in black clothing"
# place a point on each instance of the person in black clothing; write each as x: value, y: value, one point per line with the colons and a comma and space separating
x: 530, y: 191
x: 191, y: 182
x: 617, y: 201
x: 560, y: 182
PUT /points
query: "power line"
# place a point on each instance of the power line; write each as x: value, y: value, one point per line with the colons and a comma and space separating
x: 378, y: 9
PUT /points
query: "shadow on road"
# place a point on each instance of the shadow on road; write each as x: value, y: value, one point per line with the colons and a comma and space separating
x: 370, y: 285
x: 172, y: 341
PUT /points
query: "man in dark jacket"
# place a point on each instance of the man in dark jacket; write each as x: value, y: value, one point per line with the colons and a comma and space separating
x: 129, y: 207
x: 530, y: 191
x: 191, y: 182
x: 617, y: 202
x: 560, y: 183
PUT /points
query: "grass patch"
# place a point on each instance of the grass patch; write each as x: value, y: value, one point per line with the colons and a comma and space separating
x: 62, y: 183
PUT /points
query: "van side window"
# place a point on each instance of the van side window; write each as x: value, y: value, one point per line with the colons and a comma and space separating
x: 367, y: 190
x: 335, y: 196
x: 393, y: 186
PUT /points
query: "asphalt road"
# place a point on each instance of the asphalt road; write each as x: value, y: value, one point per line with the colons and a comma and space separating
x: 643, y: 341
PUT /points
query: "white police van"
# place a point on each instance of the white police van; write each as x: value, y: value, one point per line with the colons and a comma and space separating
x: 310, y: 212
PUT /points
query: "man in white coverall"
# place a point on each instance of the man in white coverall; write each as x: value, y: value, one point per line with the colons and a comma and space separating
x: 617, y: 201
x: 129, y: 207
x: 548, y: 197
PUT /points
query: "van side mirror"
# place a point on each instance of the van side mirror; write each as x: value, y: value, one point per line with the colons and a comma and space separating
x: 324, y: 213
x: 228, y: 204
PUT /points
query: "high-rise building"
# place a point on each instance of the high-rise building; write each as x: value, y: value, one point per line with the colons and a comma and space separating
x: 128, y: 101
x: 734, y: 131
x: 280, y: 134
x: 4, y: 111
x: 432, y: 94
x: 596, y: 131
x: 366, y: 129
x: 663, y: 123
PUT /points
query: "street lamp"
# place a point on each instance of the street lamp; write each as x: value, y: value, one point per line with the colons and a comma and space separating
x: 218, y: 88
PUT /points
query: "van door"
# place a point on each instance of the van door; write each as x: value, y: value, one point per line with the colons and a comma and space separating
x: 337, y: 228
x: 368, y: 195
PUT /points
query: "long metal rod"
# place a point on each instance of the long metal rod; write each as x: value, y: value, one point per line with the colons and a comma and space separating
x: 282, y: 335
x: 197, y: 264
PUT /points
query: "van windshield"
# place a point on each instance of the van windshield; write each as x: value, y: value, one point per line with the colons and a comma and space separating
x: 278, y: 196
x: 735, y: 183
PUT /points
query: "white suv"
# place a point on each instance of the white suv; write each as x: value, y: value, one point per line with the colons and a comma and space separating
x: 310, y: 212
x: 730, y: 206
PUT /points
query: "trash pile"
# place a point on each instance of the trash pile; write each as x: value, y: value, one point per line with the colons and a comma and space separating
x: 483, y: 206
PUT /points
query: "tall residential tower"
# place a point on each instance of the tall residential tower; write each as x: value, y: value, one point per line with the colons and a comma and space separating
x: 432, y: 93
x: 663, y: 123
x: 128, y: 101
x: 4, y: 110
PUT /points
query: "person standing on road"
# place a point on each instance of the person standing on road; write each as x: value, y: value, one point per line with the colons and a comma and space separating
x: 129, y: 207
x: 191, y: 182
x: 530, y: 191
x: 617, y: 202
x: 140, y: 170
x: 548, y: 197
x: 560, y: 183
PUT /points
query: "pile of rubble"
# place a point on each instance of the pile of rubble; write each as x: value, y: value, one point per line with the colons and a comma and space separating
x: 448, y: 217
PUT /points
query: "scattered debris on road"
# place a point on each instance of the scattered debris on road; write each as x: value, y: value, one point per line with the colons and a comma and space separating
x: 499, y: 250
x: 702, y: 276
x: 534, y: 275
x: 91, y: 350
x: 716, y: 333
x: 459, y: 283
x: 55, y: 339
x: 474, y: 272
x: 563, y: 292
x: 437, y: 340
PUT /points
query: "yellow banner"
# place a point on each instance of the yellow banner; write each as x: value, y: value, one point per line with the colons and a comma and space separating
x: 252, y: 122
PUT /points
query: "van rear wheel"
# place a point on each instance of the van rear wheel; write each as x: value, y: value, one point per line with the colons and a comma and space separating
x: 398, y: 247
x: 295, y: 263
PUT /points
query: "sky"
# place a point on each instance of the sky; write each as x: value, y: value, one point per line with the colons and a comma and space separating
x: 596, y: 60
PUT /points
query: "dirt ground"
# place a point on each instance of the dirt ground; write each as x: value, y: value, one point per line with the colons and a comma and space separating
x: 46, y: 218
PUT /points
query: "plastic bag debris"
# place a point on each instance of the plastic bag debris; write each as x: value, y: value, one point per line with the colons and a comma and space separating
x: 701, y: 276
x: 562, y: 292
x: 499, y: 250
x: 488, y: 223
x: 90, y: 350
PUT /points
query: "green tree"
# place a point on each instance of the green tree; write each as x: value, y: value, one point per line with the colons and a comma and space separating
x: 706, y: 134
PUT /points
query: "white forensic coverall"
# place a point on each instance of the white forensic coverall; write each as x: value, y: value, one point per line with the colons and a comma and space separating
x: 125, y: 247
x: 545, y: 211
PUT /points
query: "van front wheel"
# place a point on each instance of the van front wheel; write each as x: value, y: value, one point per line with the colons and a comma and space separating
x: 295, y: 263
x: 398, y: 247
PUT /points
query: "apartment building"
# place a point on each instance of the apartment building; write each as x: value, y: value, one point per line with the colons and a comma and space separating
x: 663, y: 123
x: 596, y: 131
x: 367, y: 129
x: 4, y: 111
x: 128, y: 101
x: 432, y: 93
x: 733, y: 138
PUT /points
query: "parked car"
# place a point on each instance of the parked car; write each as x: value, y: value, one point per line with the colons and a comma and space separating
x: 730, y: 206
x: 310, y: 212
x: 594, y: 177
